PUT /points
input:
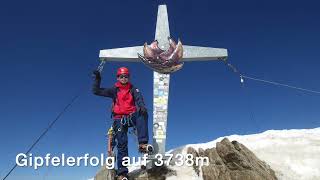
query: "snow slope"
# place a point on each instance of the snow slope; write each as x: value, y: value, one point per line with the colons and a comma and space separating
x: 292, y: 154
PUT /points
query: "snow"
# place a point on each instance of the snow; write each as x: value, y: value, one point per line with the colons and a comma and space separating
x: 292, y: 154
x: 184, y: 172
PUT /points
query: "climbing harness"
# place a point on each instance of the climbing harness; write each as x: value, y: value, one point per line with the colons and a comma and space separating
x: 126, y: 120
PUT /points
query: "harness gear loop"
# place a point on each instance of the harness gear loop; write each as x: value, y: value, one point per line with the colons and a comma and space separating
x: 126, y: 120
x: 123, y: 120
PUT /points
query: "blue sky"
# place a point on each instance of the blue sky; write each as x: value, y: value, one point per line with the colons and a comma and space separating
x: 48, y: 49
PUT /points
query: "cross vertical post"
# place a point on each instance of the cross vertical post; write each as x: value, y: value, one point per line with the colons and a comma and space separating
x: 161, y: 84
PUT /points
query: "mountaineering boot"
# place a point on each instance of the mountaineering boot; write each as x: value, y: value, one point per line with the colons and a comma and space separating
x: 145, y: 148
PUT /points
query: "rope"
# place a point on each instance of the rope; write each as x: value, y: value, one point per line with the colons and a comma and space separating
x: 280, y: 84
x: 100, y: 68
x: 251, y: 112
x: 44, y: 133
x: 250, y: 107
x: 235, y: 70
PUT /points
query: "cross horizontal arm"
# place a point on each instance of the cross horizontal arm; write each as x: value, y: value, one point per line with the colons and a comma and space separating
x: 197, y: 53
x: 128, y: 54
x: 190, y: 53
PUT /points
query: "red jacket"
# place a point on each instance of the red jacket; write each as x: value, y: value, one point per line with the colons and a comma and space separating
x: 124, y: 103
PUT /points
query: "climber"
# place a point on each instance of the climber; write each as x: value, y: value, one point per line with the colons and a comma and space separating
x: 128, y: 110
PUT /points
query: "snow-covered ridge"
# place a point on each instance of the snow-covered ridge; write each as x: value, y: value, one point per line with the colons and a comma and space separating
x: 292, y: 154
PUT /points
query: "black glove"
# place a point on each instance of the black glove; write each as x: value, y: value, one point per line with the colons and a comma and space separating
x: 143, y: 110
x: 96, y: 74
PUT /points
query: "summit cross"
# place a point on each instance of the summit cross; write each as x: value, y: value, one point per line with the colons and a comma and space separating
x: 161, y: 81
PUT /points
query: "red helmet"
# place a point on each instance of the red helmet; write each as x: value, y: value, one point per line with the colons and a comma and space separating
x: 123, y: 70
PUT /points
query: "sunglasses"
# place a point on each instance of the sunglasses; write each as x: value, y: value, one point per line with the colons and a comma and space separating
x: 123, y: 76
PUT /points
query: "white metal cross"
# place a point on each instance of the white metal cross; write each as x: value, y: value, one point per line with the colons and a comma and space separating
x: 161, y: 81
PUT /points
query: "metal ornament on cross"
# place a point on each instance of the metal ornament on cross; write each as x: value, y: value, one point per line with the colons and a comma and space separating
x: 161, y: 82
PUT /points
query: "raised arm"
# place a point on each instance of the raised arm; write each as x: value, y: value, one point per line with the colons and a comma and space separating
x: 97, y: 90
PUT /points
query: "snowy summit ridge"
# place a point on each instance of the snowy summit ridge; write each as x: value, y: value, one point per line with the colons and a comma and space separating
x: 292, y: 154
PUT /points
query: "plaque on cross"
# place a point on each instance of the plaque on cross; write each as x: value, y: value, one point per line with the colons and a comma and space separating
x: 161, y: 82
